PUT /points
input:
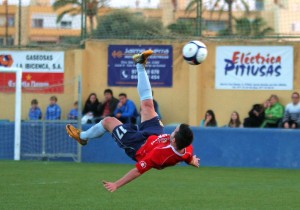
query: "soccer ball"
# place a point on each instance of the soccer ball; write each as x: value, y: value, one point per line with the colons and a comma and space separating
x: 194, y: 52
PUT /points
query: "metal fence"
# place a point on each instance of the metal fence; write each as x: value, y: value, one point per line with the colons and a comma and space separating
x: 39, y: 23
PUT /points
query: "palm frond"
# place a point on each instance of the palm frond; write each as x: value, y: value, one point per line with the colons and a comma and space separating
x: 72, y: 11
x: 62, y: 3
x: 246, y: 6
x: 191, y: 6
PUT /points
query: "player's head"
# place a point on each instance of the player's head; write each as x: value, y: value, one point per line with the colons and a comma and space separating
x: 183, y: 136
x: 108, y: 94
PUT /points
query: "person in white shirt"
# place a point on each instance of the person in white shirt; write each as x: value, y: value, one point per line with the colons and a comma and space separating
x: 291, y: 117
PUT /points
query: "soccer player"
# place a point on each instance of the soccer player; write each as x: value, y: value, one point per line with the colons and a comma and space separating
x: 146, y: 144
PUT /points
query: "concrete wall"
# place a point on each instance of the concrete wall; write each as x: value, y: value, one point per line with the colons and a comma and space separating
x: 192, y: 93
x: 268, y: 148
x: 193, y: 89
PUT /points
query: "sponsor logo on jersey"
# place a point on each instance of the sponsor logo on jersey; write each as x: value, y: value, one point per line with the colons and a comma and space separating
x: 143, y: 164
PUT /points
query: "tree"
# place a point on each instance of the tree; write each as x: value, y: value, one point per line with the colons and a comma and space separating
x: 219, y: 5
x: 122, y: 24
x: 76, y: 7
x: 183, y: 27
x: 257, y: 27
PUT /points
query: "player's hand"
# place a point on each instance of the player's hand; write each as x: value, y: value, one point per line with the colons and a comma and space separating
x: 195, y: 161
x: 110, y: 186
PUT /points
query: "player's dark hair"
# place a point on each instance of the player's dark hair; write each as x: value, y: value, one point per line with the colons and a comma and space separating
x: 108, y: 91
x: 34, y: 101
x: 76, y: 103
x: 123, y: 94
x: 184, y: 136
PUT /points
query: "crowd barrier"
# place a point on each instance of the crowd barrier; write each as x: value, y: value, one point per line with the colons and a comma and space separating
x: 226, y: 147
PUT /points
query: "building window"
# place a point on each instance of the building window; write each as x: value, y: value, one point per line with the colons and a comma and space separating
x: 10, y: 41
x: 259, y: 5
x: 10, y: 21
x: 37, y: 23
x: 66, y: 24
x: 213, y: 25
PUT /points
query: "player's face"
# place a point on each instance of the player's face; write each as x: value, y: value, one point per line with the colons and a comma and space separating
x: 174, y: 132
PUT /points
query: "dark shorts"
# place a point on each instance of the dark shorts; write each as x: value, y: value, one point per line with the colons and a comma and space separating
x: 131, y: 137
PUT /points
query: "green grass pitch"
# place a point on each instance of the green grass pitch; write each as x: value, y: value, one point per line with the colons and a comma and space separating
x: 56, y: 185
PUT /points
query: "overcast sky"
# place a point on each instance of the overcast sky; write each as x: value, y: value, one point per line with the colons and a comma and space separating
x: 132, y: 3
x: 113, y: 3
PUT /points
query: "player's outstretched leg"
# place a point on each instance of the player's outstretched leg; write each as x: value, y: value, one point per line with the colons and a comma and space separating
x: 96, y: 131
x: 143, y: 86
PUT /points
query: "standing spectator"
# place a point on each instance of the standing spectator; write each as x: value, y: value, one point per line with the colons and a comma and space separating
x: 73, y: 114
x: 126, y: 110
x: 35, y: 112
x: 90, y: 109
x: 291, y: 117
x: 110, y: 104
x: 256, y: 115
x: 53, y: 111
x: 235, y: 121
x: 209, y: 119
x: 273, y: 114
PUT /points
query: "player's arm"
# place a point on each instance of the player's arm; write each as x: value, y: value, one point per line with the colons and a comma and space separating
x: 131, y: 175
x: 195, y: 161
x: 192, y: 160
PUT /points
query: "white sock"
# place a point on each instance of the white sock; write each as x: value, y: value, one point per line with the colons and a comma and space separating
x: 143, y: 85
x: 95, y: 131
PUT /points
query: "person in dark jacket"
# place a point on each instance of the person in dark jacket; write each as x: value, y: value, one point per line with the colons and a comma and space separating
x: 107, y: 108
x: 256, y: 115
x: 90, y: 109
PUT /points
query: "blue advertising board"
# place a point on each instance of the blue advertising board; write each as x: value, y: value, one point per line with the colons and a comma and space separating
x: 122, y: 71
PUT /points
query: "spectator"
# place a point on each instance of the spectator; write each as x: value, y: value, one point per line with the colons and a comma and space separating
x: 273, y: 114
x: 35, y: 112
x: 256, y: 115
x: 235, y: 121
x: 53, y: 111
x: 126, y: 110
x: 109, y: 105
x: 73, y: 114
x: 209, y: 120
x: 291, y: 117
x: 90, y: 109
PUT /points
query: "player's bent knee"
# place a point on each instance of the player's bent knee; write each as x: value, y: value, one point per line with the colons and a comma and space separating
x: 107, y: 120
